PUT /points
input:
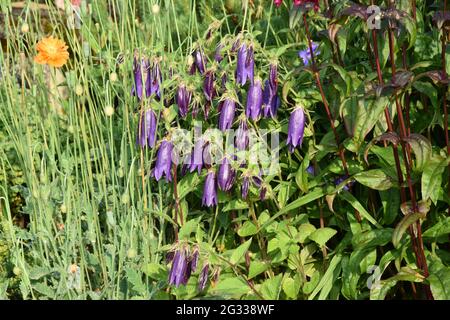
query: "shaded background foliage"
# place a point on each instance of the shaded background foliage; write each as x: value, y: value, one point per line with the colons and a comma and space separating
x: 77, y: 222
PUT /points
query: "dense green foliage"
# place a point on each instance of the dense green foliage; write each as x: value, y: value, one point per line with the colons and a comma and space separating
x: 81, y: 216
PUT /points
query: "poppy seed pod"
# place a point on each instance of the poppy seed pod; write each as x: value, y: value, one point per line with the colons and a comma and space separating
x: 147, y: 129
x: 225, y: 176
x: 227, y: 115
x: 209, y: 198
x: 254, y: 101
x: 183, y: 99
x: 164, y: 161
x: 296, y: 128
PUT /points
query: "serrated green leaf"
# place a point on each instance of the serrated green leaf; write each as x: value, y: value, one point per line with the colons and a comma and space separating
x: 235, y: 204
x: 256, y: 268
x: 304, y: 231
x: 270, y: 289
x: 248, y: 228
x: 322, y: 235
x: 240, y: 251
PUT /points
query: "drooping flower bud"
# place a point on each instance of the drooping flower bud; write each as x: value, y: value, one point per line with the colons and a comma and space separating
x: 242, y: 135
x: 194, y: 259
x: 227, y: 114
x: 154, y: 79
x: 296, y: 128
x: 208, y: 85
x: 209, y: 198
x: 245, y: 65
x: 225, y: 176
x: 164, y: 161
x: 245, y: 186
x: 197, y: 156
x: 147, y: 129
x: 254, y: 100
x: 177, y: 274
x: 203, y: 278
x: 218, y: 54
x: 140, y: 70
x: 200, y: 60
x: 183, y: 99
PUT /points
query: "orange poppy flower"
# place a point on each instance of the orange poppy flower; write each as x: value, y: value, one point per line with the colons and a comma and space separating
x: 52, y: 51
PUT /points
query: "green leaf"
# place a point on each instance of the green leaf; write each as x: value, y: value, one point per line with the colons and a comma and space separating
x: 230, y: 288
x: 135, y: 279
x: 422, y: 150
x: 295, y: 15
x: 187, y: 184
x: 302, y: 176
x: 235, y: 204
x: 256, y: 268
x: 240, y: 251
x: 247, y: 229
x: 322, y: 235
x: 427, y: 89
x: 403, y: 225
x: 347, y: 196
x: 270, y: 289
x: 309, y: 197
x: 432, y: 177
x: 391, y: 206
x: 369, y: 112
x: 309, y: 286
x: 155, y: 271
x: 440, y: 283
x: 291, y: 287
x: 188, y: 228
x: 44, y: 290
x: 39, y: 272
x: 326, y: 283
x: 304, y: 231
x: 439, y: 229
x: 374, y: 179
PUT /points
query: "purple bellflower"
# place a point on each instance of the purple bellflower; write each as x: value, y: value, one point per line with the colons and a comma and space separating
x: 254, y: 100
x: 245, y: 65
x: 203, y: 277
x: 296, y: 128
x: 209, y: 198
x: 164, y: 161
x: 147, y: 129
x: 305, y: 55
x: 183, y: 99
x: 227, y: 114
x: 225, y: 176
